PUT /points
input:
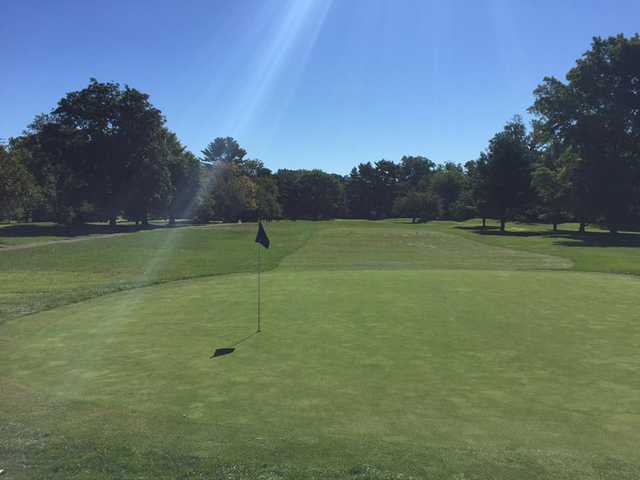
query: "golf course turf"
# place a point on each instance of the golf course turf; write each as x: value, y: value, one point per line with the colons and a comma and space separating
x: 389, y: 350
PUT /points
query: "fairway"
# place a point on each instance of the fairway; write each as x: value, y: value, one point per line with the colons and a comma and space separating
x: 388, y: 350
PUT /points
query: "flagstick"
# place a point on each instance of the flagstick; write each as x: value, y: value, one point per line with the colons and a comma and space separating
x: 259, y: 268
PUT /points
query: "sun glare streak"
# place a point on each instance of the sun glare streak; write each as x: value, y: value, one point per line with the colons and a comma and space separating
x: 294, y: 35
x: 286, y: 51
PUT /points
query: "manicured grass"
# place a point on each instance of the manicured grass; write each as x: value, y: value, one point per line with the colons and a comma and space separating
x: 389, y: 350
x: 595, y: 251
x: 394, y: 245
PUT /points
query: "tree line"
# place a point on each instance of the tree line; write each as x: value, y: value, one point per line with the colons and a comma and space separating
x: 105, y: 153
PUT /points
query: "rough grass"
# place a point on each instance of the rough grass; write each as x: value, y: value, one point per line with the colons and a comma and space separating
x: 50, y: 275
x: 389, y: 351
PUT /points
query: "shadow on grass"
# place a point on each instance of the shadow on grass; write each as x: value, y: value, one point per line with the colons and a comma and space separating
x: 220, y: 352
x: 495, y: 231
x: 565, y: 238
x: 56, y: 230
x: 244, y: 339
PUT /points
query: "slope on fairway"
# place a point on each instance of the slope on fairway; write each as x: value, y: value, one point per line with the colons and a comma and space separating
x: 431, y: 373
x: 397, y: 244
x: 52, y: 275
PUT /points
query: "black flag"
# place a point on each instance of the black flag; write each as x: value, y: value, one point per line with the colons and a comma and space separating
x: 261, y: 237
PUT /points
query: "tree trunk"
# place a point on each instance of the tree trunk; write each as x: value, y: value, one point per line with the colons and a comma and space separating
x: 172, y: 220
x: 583, y: 227
x: 502, y: 224
x: 112, y: 222
x: 413, y: 220
x: 484, y: 222
x: 555, y: 227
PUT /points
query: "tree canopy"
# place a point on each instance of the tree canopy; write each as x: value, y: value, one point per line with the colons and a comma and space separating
x: 506, y: 170
x: 104, y: 152
x: 595, y: 114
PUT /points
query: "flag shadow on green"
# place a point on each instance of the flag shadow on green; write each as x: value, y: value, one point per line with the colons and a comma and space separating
x: 220, y: 352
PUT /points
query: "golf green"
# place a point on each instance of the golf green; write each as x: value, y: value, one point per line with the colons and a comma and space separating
x: 375, y: 366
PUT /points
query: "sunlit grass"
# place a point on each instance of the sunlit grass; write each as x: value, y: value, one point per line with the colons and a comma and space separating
x: 51, y: 275
x: 389, y: 350
x: 595, y: 251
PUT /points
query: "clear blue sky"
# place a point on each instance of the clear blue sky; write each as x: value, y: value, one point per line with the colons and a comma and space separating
x: 306, y: 83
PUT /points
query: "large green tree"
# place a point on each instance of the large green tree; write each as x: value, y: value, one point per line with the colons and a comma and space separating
x: 386, y: 186
x: 478, y: 190
x: 321, y: 194
x: 415, y: 171
x: 54, y: 158
x: 290, y: 192
x: 595, y: 112
x: 417, y: 206
x: 234, y: 194
x: 360, y: 191
x: 505, y: 171
x: 99, y: 149
x: 310, y: 194
x: 447, y: 184
x: 551, y: 185
x: 267, y: 206
x: 119, y: 129
x: 371, y: 189
x: 224, y: 150
x: 17, y: 186
x: 184, y: 174
x: 237, y: 187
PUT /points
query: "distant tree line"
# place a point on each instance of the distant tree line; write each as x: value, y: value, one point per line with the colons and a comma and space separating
x: 105, y: 153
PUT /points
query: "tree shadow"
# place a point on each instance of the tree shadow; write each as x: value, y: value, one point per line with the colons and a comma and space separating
x: 599, y: 239
x: 495, y: 231
x: 409, y: 222
x: 72, y: 231
x: 565, y: 238
x: 476, y: 227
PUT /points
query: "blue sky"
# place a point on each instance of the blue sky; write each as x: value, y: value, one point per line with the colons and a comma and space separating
x: 306, y: 83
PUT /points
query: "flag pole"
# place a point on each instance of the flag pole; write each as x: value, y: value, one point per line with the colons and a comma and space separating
x: 263, y: 241
x: 259, y: 269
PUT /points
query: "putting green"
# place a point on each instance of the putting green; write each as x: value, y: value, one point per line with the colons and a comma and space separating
x: 423, y: 372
